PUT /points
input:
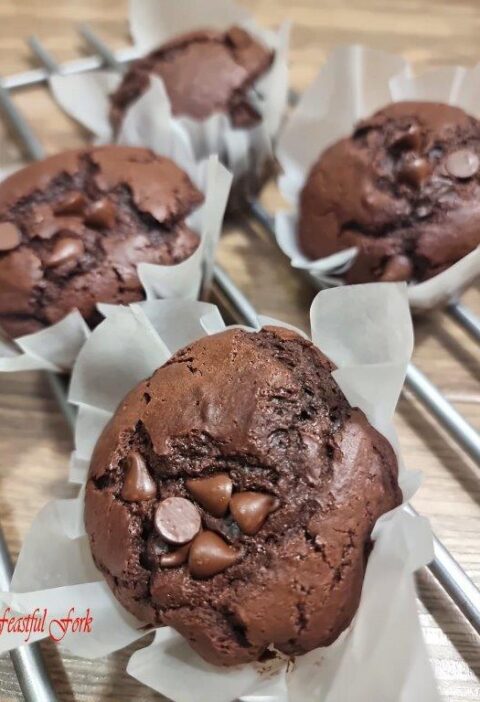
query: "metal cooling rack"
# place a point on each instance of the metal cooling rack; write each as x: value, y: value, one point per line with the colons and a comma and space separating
x: 29, y: 666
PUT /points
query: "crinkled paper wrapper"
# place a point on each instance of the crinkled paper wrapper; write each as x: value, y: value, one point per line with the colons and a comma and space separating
x: 149, y: 121
x: 55, y: 348
x: 382, y: 656
x: 355, y: 82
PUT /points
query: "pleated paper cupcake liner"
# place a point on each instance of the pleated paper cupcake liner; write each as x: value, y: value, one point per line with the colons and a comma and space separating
x: 355, y: 82
x: 367, y: 333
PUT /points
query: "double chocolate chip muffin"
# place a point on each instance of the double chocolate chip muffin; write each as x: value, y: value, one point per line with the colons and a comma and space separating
x: 233, y: 494
x: 404, y: 188
x: 204, y: 72
x: 73, y: 228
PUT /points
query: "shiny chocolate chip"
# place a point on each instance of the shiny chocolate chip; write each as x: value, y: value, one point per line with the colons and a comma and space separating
x: 71, y: 204
x: 210, y: 555
x: 175, y: 558
x: 138, y: 484
x: 212, y: 493
x: 65, y: 250
x: 462, y: 164
x: 250, y: 510
x: 10, y: 236
x: 100, y: 214
x: 414, y: 171
x: 177, y: 520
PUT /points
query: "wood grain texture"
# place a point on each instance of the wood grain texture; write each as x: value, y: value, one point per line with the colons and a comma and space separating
x: 34, y: 439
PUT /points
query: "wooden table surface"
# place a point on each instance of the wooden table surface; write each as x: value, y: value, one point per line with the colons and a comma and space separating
x: 34, y: 438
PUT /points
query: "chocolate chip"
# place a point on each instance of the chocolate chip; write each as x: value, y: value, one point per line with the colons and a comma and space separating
x: 138, y: 484
x: 176, y: 558
x: 71, y: 204
x: 409, y: 140
x: 212, y: 493
x: 414, y: 171
x: 100, y: 214
x: 397, y: 268
x: 209, y: 555
x: 10, y: 236
x: 177, y: 520
x: 250, y: 510
x: 462, y: 164
x: 65, y: 250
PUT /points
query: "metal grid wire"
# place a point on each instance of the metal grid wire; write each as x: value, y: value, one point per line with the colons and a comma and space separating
x: 29, y: 666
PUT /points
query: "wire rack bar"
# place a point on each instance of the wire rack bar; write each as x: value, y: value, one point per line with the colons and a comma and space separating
x: 466, y: 318
x: 38, y: 76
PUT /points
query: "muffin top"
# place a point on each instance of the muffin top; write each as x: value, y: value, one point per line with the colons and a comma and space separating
x: 204, y: 72
x: 74, y: 226
x: 404, y: 188
x: 233, y: 494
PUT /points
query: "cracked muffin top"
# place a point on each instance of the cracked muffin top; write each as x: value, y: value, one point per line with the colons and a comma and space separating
x: 404, y: 188
x: 204, y: 72
x: 233, y: 494
x: 74, y: 226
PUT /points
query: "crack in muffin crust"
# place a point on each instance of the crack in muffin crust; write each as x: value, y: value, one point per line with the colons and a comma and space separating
x: 263, y: 411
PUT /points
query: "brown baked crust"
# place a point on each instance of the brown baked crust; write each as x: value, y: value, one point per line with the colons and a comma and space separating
x: 74, y: 226
x: 204, y: 72
x: 397, y: 190
x: 264, y: 409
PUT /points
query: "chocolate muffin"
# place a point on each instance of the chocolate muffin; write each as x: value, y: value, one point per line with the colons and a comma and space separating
x: 74, y: 226
x: 233, y: 494
x: 404, y: 188
x: 204, y: 72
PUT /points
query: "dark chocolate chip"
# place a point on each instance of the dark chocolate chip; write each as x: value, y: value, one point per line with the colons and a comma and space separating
x: 209, y: 555
x: 414, y: 171
x: 71, y: 204
x: 212, y: 493
x: 65, y: 250
x: 462, y: 164
x: 138, y: 484
x: 100, y: 214
x: 398, y: 268
x: 176, y: 558
x: 250, y: 510
x: 10, y: 236
x: 177, y: 520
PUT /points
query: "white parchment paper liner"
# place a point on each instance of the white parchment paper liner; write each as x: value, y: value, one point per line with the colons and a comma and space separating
x: 355, y: 82
x: 367, y: 332
x: 149, y: 121
x: 56, y: 347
